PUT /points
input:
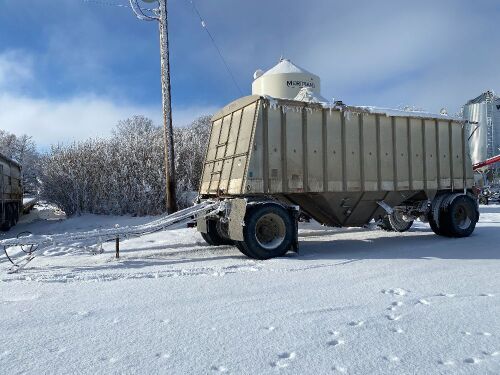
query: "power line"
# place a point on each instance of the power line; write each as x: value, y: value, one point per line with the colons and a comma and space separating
x: 204, y: 25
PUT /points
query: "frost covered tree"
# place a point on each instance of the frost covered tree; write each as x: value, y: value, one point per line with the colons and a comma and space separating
x: 125, y: 173
x: 190, y: 146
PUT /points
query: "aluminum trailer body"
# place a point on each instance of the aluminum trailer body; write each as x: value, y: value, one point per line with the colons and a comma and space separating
x: 341, y: 165
x: 11, y: 192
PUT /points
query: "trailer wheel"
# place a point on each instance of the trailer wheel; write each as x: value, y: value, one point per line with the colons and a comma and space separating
x: 435, y: 216
x: 8, y: 219
x: 215, y: 235
x: 241, y: 247
x: 16, y: 214
x: 395, y: 222
x: 384, y: 224
x: 268, y: 231
x: 434, y: 225
x: 459, y: 216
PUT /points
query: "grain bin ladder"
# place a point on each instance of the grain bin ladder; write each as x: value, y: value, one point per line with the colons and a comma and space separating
x: 30, y: 243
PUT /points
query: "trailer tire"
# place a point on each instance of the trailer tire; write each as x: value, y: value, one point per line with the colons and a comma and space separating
x: 459, y: 216
x: 241, y: 247
x: 435, y: 216
x: 8, y: 223
x: 214, y: 235
x: 395, y: 223
x: 384, y: 224
x: 16, y: 214
x: 434, y: 225
x: 268, y: 231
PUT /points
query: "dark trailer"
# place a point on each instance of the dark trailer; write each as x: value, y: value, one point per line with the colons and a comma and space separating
x: 11, y: 192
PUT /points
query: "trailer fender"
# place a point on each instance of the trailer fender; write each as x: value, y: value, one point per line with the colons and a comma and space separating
x: 236, y: 218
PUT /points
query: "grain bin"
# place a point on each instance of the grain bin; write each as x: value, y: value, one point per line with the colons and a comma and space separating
x: 285, y: 80
x: 483, y: 115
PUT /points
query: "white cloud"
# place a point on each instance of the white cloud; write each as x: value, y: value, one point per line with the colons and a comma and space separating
x: 51, y: 121
x: 16, y: 68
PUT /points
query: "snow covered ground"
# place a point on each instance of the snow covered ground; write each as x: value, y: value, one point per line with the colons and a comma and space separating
x: 354, y: 301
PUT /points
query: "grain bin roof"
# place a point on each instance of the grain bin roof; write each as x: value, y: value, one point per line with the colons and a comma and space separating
x: 286, y: 66
x: 485, y: 96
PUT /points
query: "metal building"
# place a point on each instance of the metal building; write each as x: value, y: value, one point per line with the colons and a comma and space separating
x: 483, y: 113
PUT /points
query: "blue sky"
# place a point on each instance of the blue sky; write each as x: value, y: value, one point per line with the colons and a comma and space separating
x: 70, y: 69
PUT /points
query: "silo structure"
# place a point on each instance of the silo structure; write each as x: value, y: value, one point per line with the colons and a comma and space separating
x: 285, y: 80
x: 483, y: 115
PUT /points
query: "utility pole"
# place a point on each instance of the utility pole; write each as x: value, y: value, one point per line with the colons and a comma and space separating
x: 160, y: 15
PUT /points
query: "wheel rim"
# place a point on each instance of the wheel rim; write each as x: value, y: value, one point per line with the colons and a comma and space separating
x: 462, y: 216
x: 398, y: 221
x: 270, y: 231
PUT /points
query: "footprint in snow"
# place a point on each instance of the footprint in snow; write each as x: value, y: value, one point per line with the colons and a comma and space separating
x: 356, y: 323
x: 57, y: 350
x: 336, y: 342
x: 423, y: 302
x: 269, y: 328
x: 472, y: 360
x: 397, y: 330
x: 286, y: 355
x: 492, y: 354
x: 393, y: 317
x: 466, y: 333
x: 219, y: 368
x: 165, y: 321
x: 162, y: 355
x: 484, y: 334
x: 340, y: 369
x: 449, y: 295
x: 82, y: 314
x: 395, y: 291
x: 279, y: 364
x: 284, y: 359
x: 486, y: 295
x: 334, y: 333
x: 392, y: 358
x: 446, y: 362
x: 395, y: 305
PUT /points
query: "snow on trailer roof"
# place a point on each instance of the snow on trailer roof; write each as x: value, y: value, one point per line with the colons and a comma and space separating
x: 311, y: 100
x: 402, y: 113
x: 308, y: 97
